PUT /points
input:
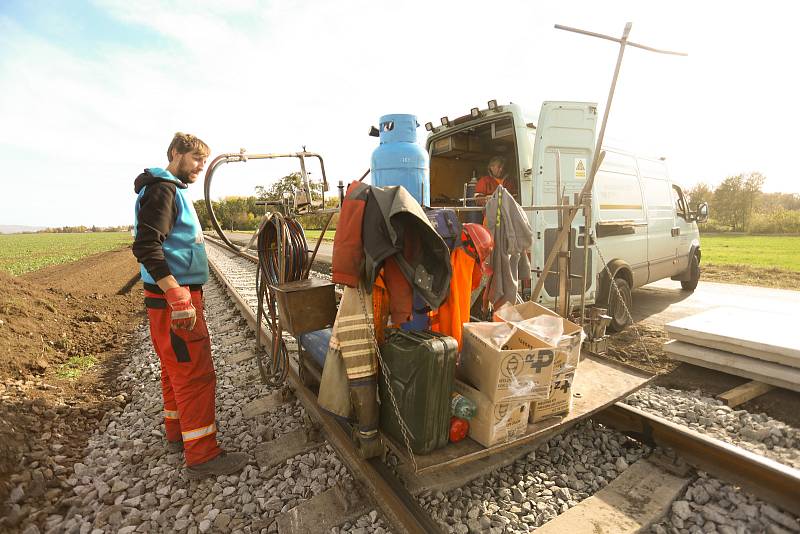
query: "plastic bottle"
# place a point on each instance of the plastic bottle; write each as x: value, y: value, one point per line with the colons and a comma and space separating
x: 459, y: 428
x: 462, y: 407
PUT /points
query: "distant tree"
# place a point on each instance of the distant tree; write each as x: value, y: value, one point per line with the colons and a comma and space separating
x: 202, y: 214
x: 287, y: 185
x: 735, y: 199
x: 701, y: 192
x: 771, y: 202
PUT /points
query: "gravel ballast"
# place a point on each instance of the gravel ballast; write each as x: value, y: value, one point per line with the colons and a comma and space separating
x: 757, y: 433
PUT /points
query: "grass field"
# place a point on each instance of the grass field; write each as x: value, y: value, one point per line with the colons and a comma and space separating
x: 782, y: 252
x: 22, y: 253
x: 313, y: 235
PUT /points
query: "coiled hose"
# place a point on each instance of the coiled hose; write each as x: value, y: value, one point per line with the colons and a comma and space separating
x: 282, y: 257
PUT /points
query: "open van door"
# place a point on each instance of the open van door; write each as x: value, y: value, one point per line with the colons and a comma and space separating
x: 565, y: 129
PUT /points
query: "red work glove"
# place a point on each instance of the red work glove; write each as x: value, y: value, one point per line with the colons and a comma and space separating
x: 183, y: 314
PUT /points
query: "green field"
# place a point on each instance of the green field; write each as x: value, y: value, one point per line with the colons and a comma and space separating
x: 782, y: 252
x: 313, y: 235
x: 23, y: 253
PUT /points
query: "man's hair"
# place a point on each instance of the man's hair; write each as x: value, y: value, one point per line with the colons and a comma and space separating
x: 186, y: 143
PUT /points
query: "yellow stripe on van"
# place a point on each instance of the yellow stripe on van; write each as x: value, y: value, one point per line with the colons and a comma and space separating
x: 620, y: 206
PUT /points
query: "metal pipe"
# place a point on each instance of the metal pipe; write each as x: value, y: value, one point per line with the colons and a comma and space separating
x: 319, y: 242
x: 616, y: 40
x: 587, y: 222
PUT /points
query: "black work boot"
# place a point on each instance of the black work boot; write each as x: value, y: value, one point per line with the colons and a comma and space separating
x: 226, y: 463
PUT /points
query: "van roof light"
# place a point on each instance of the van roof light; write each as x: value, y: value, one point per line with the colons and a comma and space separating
x: 445, y: 121
x: 475, y: 112
x: 492, y: 104
x: 429, y: 126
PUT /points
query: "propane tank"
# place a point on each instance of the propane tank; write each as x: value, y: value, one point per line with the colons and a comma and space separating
x: 399, y: 160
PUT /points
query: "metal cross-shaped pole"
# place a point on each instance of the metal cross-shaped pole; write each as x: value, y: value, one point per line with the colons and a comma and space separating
x: 597, y: 158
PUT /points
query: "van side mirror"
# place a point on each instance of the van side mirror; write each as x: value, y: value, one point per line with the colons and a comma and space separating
x: 701, y: 214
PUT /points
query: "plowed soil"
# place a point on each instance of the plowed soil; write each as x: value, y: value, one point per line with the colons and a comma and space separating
x: 63, y: 334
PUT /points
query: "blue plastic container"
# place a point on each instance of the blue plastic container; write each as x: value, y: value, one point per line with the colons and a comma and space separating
x: 399, y: 160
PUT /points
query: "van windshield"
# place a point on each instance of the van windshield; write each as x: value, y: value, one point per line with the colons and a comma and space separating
x: 460, y: 156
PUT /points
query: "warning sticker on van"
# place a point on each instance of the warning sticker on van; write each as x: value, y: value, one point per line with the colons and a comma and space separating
x: 580, y: 168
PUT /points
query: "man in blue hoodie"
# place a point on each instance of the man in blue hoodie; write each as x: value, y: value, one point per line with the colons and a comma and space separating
x: 169, y: 246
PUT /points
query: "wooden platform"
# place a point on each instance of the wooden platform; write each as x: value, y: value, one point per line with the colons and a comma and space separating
x: 598, y: 384
x: 766, y: 336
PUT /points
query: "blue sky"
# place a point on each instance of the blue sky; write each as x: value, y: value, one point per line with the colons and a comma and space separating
x: 92, y: 91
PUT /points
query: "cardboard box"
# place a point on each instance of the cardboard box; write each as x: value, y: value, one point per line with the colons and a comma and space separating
x: 522, y: 369
x: 569, y: 355
x: 560, y: 401
x: 494, y: 422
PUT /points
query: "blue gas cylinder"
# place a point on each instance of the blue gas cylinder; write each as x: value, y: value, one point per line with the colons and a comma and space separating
x: 399, y: 160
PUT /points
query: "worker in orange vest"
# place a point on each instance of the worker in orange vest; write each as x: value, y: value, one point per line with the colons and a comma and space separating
x: 487, y: 185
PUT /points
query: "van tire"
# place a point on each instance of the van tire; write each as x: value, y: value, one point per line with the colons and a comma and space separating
x: 619, y: 317
x: 694, y: 275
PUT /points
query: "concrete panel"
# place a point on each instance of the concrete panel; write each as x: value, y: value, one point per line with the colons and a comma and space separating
x: 632, y: 502
x: 763, y: 335
x: 735, y: 364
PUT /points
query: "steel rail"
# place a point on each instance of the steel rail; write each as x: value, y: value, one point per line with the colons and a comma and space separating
x: 399, y: 506
x: 770, y: 480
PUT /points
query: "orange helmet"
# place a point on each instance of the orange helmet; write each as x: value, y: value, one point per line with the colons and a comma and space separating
x: 477, y: 241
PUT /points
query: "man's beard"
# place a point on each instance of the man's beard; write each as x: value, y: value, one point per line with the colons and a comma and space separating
x: 184, y: 175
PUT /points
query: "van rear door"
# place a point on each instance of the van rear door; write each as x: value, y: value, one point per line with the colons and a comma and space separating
x: 566, y: 129
x: 662, y: 244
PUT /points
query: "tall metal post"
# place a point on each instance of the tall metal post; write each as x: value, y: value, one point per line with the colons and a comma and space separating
x: 596, y: 159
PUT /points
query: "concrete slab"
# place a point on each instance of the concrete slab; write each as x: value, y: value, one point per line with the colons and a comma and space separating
x: 323, y: 512
x: 265, y: 404
x: 735, y: 364
x: 768, y: 336
x: 277, y: 451
x: 632, y: 502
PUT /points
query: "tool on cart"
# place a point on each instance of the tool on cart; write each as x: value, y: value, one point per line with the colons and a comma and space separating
x: 595, y: 328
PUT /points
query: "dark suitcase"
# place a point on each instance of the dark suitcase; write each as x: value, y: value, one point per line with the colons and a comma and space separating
x: 421, y: 366
x: 446, y: 223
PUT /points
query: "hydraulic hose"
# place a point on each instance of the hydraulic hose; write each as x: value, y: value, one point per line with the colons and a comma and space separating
x: 282, y: 257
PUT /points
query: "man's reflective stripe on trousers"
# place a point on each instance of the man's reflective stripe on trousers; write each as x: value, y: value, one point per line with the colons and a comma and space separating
x: 198, y: 433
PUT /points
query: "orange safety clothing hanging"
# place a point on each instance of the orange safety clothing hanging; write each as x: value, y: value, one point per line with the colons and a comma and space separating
x: 450, y: 317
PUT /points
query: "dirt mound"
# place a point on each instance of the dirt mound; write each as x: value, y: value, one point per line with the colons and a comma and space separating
x: 63, y: 335
x: 67, y: 310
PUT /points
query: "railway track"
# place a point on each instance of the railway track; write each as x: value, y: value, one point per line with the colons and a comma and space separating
x: 765, y: 478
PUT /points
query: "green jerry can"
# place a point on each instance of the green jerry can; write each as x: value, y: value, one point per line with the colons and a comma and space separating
x: 421, y: 366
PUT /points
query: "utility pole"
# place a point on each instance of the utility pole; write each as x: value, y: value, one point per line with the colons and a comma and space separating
x: 584, y: 200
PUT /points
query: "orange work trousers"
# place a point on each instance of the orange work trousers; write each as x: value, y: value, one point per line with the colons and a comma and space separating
x: 188, y: 381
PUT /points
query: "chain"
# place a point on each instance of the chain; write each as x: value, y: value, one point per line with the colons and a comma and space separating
x: 625, y: 306
x: 387, y: 378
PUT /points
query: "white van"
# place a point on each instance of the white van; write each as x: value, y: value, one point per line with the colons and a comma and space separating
x: 643, y: 229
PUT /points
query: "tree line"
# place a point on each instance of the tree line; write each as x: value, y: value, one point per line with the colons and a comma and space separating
x: 237, y: 213
x: 737, y: 204
x: 81, y: 229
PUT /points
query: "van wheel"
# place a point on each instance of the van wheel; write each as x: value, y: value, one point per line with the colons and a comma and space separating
x: 694, y: 275
x: 618, y: 313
